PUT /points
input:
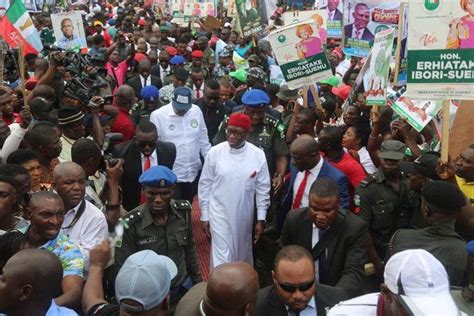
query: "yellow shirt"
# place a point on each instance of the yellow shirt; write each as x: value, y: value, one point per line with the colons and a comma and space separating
x: 467, y: 188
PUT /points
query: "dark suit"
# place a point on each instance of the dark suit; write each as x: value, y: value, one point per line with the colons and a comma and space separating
x: 345, y: 244
x: 132, y: 168
x: 136, y: 84
x: 269, y: 303
x: 337, y: 15
x: 366, y: 36
x: 327, y: 171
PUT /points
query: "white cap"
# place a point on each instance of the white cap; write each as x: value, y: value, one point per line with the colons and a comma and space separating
x: 421, y: 281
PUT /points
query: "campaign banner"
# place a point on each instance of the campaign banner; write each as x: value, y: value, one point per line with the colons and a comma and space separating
x: 250, y: 17
x: 440, y: 46
x: 300, y: 53
x: 231, y: 8
x: 319, y: 17
x: 69, y: 30
x: 365, y: 18
x: 401, y: 56
x: 199, y: 9
x: 376, y: 76
x: 334, y: 9
x: 418, y: 113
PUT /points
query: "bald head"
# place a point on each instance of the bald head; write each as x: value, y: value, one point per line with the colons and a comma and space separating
x: 305, y: 143
x: 232, y: 289
x: 125, y: 97
x: 65, y: 168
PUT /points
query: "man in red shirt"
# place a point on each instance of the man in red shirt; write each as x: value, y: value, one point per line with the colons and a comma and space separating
x: 116, y: 68
x: 330, y: 143
x: 124, y: 99
x: 100, y: 30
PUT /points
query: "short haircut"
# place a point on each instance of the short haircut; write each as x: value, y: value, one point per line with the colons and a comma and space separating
x: 43, y: 195
x: 43, y: 124
x: 10, y: 243
x: 292, y: 253
x: 147, y: 127
x: 7, y: 178
x: 84, y: 149
x: 98, y: 39
x: 334, y: 135
x: 226, y: 83
x: 325, y: 187
x: 213, y: 84
x: 39, y: 136
x: 12, y: 170
x: 309, y: 114
x: 21, y: 156
x: 197, y: 70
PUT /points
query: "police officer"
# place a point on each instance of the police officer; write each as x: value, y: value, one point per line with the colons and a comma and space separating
x: 164, y: 226
x: 267, y: 133
x: 142, y: 110
x: 383, y: 201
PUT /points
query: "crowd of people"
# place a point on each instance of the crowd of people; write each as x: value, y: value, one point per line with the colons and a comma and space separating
x: 310, y: 207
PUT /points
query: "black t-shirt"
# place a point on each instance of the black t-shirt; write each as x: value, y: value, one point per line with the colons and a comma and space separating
x: 104, y: 309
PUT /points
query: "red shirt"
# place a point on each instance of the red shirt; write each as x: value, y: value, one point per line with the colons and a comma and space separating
x: 123, y: 124
x: 353, y: 171
x: 118, y: 73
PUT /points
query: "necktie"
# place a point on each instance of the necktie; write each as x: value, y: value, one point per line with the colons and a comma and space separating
x: 144, y: 82
x: 358, y: 32
x: 146, y: 166
x: 198, y: 93
x: 330, y: 16
x: 300, y: 192
x: 322, y: 258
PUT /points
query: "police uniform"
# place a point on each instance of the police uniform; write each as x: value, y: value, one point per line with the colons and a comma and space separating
x: 173, y: 239
x: 139, y: 112
x: 384, y: 209
x: 270, y: 136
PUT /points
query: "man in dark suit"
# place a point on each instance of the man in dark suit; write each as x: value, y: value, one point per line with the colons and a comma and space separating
x: 140, y: 154
x: 358, y: 29
x: 333, y: 13
x: 306, y: 168
x: 144, y: 78
x: 338, y: 241
x: 294, y: 291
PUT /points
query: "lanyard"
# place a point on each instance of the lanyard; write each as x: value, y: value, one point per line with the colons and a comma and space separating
x: 78, y: 215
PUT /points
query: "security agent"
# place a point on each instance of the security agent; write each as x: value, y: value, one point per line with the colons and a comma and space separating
x: 164, y: 226
x: 267, y: 133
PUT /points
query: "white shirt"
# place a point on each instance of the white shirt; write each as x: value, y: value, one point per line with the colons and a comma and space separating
x: 201, y: 91
x: 310, y: 310
x: 366, y: 161
x: 91, y: 228
x: 145, y: 81
x: 311, y: 178
x: 188, y: 133
x: 153, y: 160
x: 365, y: 305
x: 164, y: 72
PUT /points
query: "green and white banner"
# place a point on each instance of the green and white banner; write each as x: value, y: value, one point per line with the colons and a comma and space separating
x: 418, y: 113
x: 440, y: 50
x: 300, y: 53
x: 250, y: 16
x: 375, y: 79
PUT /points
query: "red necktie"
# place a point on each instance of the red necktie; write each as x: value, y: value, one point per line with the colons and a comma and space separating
x: 146, y: 166
x: 299, y: 193
x: 198, y: 93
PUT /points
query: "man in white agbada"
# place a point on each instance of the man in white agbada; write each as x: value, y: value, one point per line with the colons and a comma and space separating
x: 235, y: 176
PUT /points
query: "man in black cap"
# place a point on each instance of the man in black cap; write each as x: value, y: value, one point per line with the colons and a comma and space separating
x: 382, y: 200
x: 72, y: 125
x: 441, y: 203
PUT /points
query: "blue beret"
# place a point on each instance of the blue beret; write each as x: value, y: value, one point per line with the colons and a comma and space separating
x: 158, y: 177
x: 150, y: 93
x: 255, y: 98
x: 470, y: 248
x: 177, y: 60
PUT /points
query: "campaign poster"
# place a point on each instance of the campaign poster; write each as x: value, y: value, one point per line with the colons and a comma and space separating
x: 231, y: 8
x: 334, y: 9
x: 250, y: 18
x: 440, y: 49
x: 199, y: 9
x: 319, y: 16
x: 376, y: 77
x: 418, y: 113
x: 69, y: 30
x: 300, y: 53
x: 401, y: 55
x: 363, y: 19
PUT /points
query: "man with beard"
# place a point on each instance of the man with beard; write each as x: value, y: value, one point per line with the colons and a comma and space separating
x: 164, y: 226
x: 234, y: 176
x: 46, y: 213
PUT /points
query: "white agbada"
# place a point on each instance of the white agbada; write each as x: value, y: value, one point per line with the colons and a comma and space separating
x: 231, y: 181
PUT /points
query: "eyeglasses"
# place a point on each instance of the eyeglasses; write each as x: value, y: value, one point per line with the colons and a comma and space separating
x: 292, y: 288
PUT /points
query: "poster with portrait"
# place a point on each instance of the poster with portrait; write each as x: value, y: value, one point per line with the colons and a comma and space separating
x: 199, y: 9
x: 319, y: 16
x: 418, y: 113
x: 376, y: 77
x: 363, y: 19
x: 250, y: 17
x: 334, y: 9
x: 69, y: 30
x: 299, y: 51
x: 440, y: 49
x: 231, y: 8
x: 401, y: 55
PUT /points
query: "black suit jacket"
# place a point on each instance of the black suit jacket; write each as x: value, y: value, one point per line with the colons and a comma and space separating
x: 136, y: 84
x: 345, y: 244
x: 269, y: 303
x: 366, y: 36
x: 132, y: 169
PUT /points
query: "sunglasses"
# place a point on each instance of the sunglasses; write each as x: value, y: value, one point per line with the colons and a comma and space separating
x: 292, y: 288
